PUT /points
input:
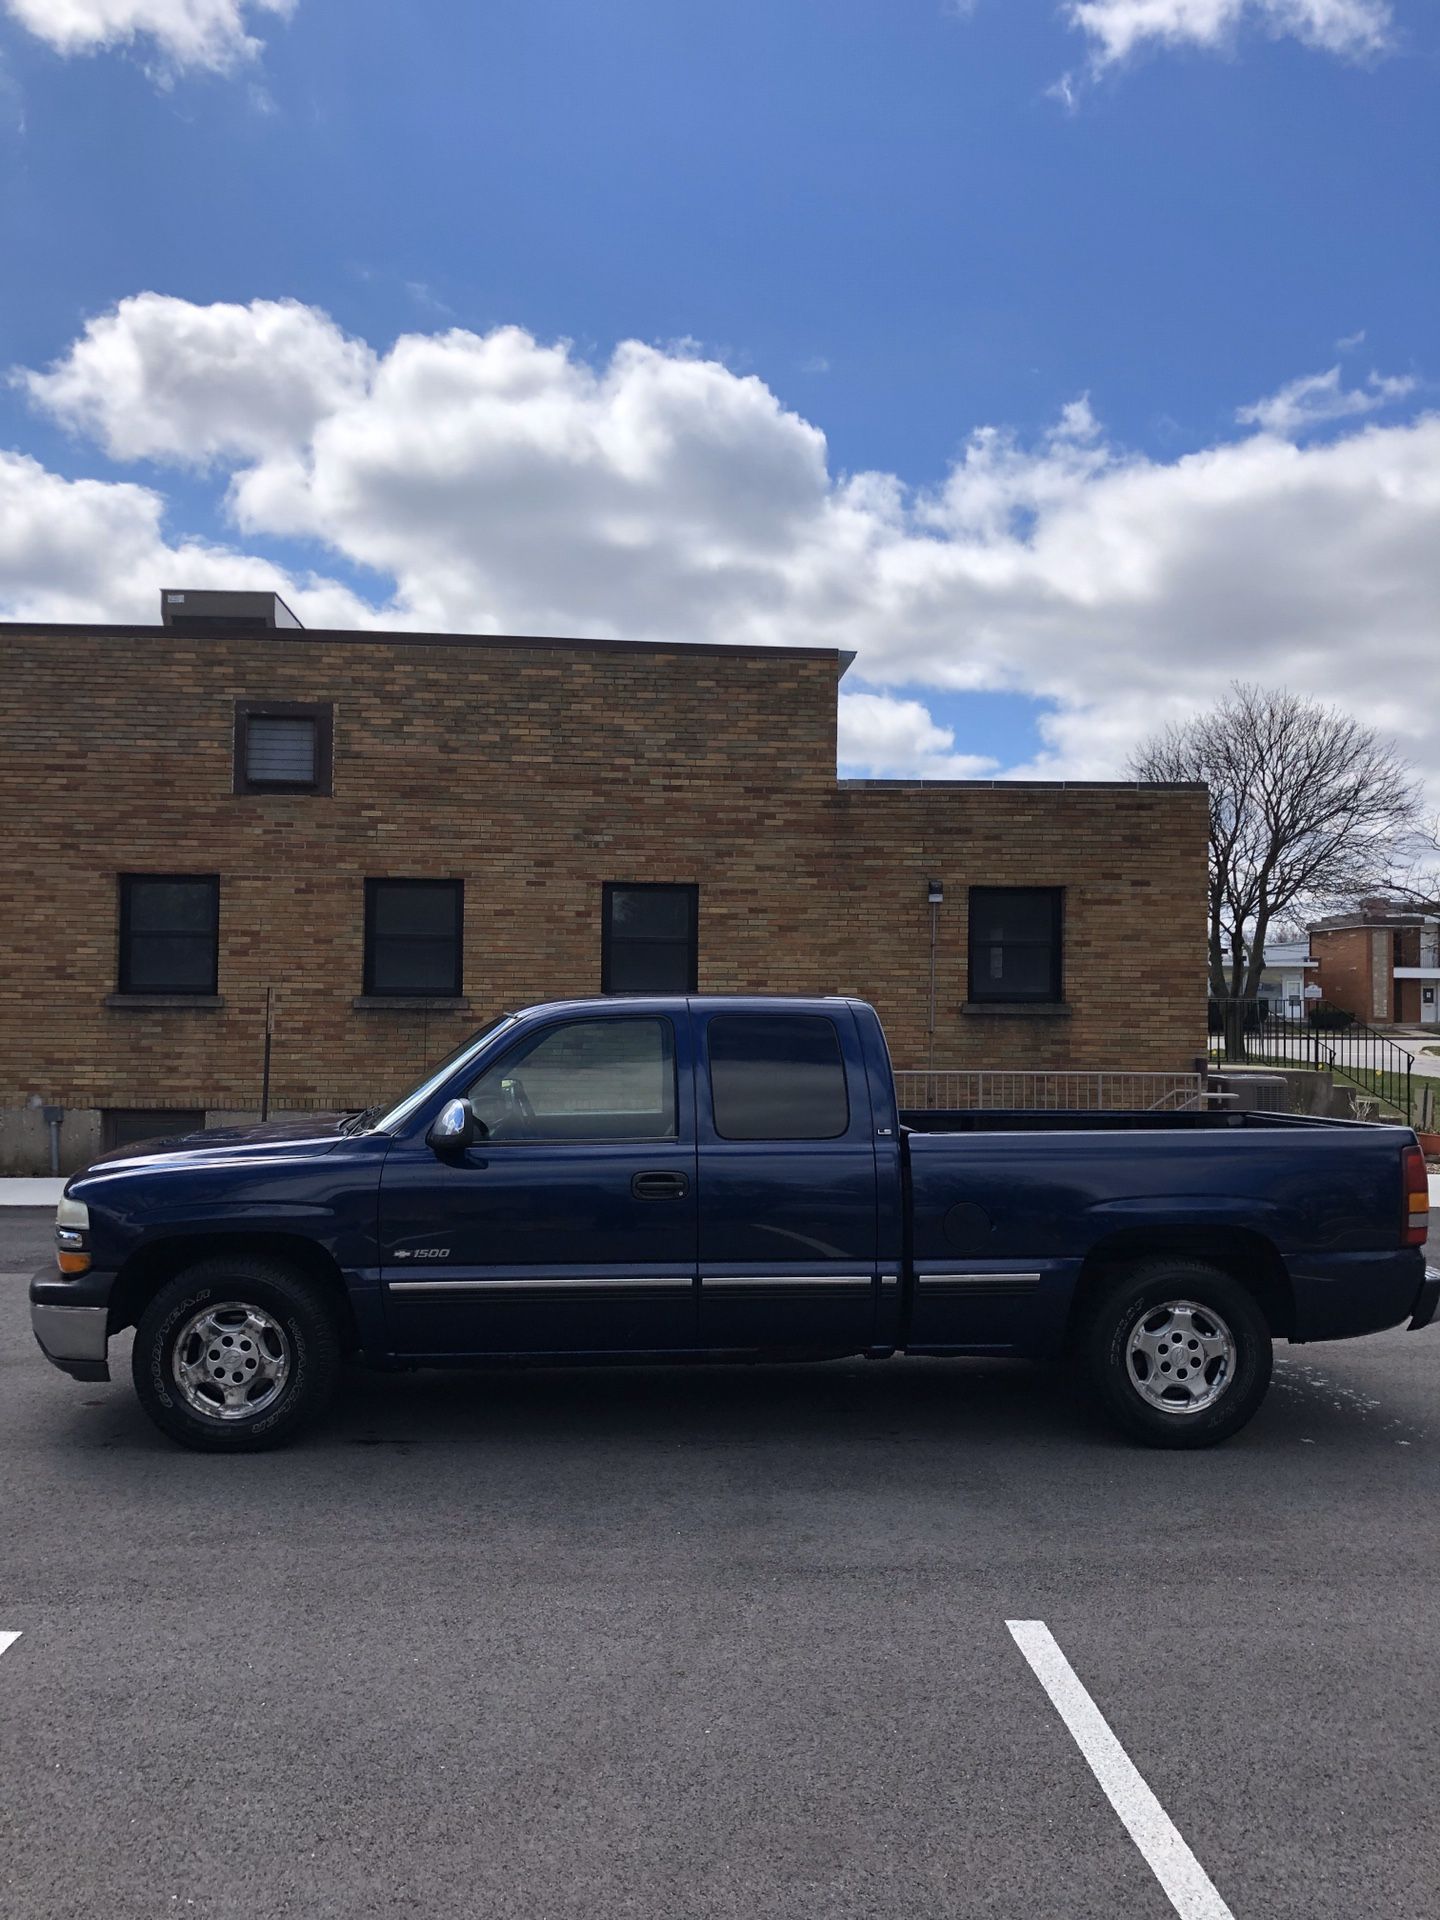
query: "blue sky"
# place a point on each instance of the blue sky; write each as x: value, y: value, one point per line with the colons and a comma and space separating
x: 888, y: 213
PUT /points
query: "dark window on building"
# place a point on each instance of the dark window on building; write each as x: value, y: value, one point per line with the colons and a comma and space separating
x: 127, y: 1126
x: 169, y: 933
x: 648, y: 942
x: 413, y: 937
x: 587, y: 1080
x: 1015, y: 943
x: 283, y: 747
x: 777, y: 1076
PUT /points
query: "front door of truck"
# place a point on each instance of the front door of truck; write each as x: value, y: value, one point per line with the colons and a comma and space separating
x: 788, y: 1220
x: 571, y: 1227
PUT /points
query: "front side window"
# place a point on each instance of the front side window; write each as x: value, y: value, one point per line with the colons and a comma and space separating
x: 649, y: 939
x: 169, y: 933
x: 1015, y: 943
x: 589, y: 1080
x: 777, y: 1076
x: 413, y: 937
x: 282, y: 747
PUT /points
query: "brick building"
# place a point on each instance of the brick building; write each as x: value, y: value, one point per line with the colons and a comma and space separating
x: 400, y: 834
x: 1381, y: 963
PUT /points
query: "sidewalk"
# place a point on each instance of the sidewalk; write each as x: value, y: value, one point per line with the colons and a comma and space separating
x: 30, y: 1193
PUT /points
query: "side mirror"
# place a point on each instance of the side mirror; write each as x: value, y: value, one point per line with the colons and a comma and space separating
x: 455, y: 1127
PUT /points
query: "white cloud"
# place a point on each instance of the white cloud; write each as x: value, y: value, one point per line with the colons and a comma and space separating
x: 882, y: 736
x: 496, y: 483
x: 162, y: 379
x: 1352, y: 28
x: 96, y: 550
x: 1316, y: 398
x: 211, y: 34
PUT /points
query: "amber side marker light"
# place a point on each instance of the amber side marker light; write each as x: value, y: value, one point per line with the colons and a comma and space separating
x: 1415, y: 1226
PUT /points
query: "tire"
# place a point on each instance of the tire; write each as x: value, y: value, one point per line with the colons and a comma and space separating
x: 259, y: 1354
x: 1203, y: 1404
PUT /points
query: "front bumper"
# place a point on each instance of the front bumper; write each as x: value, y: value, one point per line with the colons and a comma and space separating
x: 72, y: 1324
x: 1426, y: 1300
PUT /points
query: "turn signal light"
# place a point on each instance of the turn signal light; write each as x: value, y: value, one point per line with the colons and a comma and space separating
x: 73, y: 1262
x: 1415, y: 1224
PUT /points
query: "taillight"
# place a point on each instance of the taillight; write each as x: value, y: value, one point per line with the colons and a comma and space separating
x: 1415, y: 1178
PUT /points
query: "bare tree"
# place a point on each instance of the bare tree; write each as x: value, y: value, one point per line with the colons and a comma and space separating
x: 1414, y: 880
x: 1306, y: 806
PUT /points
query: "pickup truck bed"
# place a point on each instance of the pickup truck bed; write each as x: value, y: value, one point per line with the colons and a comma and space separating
x: 708, y: 1178
x: 987, y: 1192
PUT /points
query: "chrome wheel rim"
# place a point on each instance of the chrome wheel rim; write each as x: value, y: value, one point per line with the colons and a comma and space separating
x: 1180, y: 1357
x: 231, y: 1361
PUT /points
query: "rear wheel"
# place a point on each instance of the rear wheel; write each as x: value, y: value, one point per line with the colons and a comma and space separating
x: 1179, y: 1353
x: 236, y: 1354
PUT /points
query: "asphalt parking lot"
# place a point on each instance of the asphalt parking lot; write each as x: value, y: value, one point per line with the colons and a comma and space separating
x: 691, y: 1643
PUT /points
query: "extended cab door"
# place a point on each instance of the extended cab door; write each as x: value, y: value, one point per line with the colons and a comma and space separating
x: 571, y: 1228
x: 788, y: 1227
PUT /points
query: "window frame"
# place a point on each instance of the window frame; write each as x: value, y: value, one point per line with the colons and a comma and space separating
x: 368, y: 987
x: 532, y: 1042
x: 1054, y: 946
x: 123, y: 966
x: 609, y: 889
x: 322, y: 712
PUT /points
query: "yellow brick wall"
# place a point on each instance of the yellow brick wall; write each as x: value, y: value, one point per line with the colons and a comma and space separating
x: 536, y: 773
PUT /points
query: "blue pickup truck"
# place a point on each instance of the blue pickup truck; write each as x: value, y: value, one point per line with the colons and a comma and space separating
x: 682, y: 1179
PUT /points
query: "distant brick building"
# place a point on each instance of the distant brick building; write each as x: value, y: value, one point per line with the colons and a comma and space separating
x: 402, y: 833
x: 1381, y: 963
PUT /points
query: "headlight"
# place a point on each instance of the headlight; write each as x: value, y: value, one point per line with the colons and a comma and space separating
x: 72, y: 1223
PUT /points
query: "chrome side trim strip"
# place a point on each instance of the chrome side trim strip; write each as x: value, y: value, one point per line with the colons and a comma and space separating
x: 786, y: 1280
x: 976, y: 1279
x: 976, y: 1286
x: 544, y: 1283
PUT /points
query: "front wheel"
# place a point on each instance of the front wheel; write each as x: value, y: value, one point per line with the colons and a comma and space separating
x: 236, y: 1354
x: 1179, y: 1353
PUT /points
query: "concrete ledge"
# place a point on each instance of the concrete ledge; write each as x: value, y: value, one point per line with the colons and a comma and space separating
x: 184, y: 1002
x: 399, y: 1003
x: 1019, y: 1009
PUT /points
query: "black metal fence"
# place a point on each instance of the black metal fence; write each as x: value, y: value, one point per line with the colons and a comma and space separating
x: 1262, y: 1033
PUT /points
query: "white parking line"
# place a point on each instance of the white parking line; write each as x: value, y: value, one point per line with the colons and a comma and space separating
x: 1185, y: 1881
x: 7, y: 1640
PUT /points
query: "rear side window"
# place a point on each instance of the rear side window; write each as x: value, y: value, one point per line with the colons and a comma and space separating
x: 777, y: 1076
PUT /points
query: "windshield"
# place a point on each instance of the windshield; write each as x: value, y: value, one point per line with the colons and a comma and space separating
x: 403, y: 1109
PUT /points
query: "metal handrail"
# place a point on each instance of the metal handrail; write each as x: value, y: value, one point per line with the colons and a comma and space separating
x: 1322, y: 1037
x: 1094, y: 1090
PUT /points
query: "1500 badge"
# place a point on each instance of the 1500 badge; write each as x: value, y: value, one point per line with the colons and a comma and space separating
x: 422, y: 1253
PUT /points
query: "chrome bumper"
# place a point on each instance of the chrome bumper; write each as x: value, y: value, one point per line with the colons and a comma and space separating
x: 73, y: 1338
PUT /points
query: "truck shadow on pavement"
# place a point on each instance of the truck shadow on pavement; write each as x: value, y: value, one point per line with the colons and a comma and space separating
x: 967, y: 1406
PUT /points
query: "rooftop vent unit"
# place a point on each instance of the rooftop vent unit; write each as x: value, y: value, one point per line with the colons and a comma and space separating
x: 211, y: 612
